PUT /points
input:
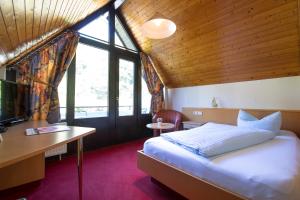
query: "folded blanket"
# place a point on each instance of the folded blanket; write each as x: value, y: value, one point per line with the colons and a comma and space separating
x: 213, y: 139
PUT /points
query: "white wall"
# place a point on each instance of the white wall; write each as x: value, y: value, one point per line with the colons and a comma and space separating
x: 279, y: 93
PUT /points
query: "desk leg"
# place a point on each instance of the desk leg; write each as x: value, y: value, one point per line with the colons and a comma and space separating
x: 79, y: 165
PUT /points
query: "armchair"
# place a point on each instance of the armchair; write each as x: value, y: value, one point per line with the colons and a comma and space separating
x: 169, y: 116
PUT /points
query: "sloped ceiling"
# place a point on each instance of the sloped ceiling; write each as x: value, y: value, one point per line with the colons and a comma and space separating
x: 24, y: 23
x: 220, y: 41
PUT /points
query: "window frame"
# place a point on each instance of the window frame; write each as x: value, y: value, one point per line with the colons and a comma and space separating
x: 114, y: 53
x: 96, y: 45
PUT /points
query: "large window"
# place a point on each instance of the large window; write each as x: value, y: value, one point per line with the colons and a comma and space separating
x: 146, y: 98
x: 103, y: 76
x: 91, y: 83
x: 62, y: 95
x: 126, y: 87
x: 122, y: 39
x: 97, y: 29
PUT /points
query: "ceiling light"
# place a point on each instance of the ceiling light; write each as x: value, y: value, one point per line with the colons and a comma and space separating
x: 158, y: 28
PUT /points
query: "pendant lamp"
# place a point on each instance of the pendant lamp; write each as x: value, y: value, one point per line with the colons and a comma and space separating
x: 158, y: 27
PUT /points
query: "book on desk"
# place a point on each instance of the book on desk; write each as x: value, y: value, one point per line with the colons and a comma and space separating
x: 44, y: 130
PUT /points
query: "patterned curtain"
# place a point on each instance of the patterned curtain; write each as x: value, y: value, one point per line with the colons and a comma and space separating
x: 43, y: 71
x: 154, y: 84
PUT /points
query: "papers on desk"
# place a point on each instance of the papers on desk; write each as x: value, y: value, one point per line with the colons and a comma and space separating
x: 48, y: 129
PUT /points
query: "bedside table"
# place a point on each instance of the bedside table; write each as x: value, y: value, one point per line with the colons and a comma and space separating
x: 191, y: 124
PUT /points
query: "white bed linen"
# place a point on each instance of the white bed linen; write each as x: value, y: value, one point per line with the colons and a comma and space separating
x: 270, y: 170
x: 212, y: 139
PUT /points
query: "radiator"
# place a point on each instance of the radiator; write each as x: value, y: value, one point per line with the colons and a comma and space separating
x: 56, y: 151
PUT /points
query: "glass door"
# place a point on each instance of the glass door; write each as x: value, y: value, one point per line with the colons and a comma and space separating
x: 126, y: 96
x: 89, y: 99
x: 126, y: 92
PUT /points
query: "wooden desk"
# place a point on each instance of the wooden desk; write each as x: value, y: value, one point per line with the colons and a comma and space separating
x: 21, y: 154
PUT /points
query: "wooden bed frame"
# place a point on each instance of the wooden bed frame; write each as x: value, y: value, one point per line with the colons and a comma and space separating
x: 193, y: 187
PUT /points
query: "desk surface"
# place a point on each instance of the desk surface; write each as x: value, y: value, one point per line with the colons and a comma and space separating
x: 17, y: 146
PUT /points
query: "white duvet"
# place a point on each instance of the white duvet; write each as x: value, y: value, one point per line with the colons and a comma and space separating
x: 213, y: 139
x: 267, y: 171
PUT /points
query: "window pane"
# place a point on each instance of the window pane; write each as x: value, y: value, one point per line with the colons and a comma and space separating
x: 91, y: 89
x: 118, y: 41
x: 121, y: 37
x: 146, y: 98
x: 126, y: 87
x: 62, y: 95
x: 98, y: 28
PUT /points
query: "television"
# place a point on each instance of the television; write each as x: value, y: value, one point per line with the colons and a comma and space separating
x: 14, y: 102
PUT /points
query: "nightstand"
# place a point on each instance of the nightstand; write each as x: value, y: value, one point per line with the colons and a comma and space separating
x: 191, y: 124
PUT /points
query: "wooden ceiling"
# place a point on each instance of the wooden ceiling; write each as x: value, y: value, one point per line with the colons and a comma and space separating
x: 24, y: 23
x: 220, y: 41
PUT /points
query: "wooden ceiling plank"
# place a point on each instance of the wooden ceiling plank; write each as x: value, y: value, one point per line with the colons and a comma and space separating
x: 63, y: 14
x: 249, y: 76
x: 58, y: 15
x: 68, y: 13
x: 231, y: 31
x: 40, y: 19
x: 243, y: 67
x: 51, y: 12
x: 44, y: 16
x: 254, y: 50
x: 24, y: 23
x: 222, y: 36
x: 244, y: 54
x: 38, y: 6
x: 77, y: 11
x: 9, y: 21
x: 19, y: 11
x: 5, y: 41
x: 227, y: 77
x: 29, y: 18
x: 86, y: 12
x: 90, y: 7
x: 212, y: 40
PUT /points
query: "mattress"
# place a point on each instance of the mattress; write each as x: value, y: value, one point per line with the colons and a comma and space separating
x: 270, y: 170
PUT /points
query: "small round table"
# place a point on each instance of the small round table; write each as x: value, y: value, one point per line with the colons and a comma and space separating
x: 162, y: 126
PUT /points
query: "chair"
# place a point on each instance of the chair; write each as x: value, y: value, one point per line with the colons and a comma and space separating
x: 168, y: 116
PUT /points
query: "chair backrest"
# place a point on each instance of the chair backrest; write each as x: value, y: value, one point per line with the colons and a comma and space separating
x: 170, y: 116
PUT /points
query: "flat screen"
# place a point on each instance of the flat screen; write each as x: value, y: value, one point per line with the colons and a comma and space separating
x: 14, y: 101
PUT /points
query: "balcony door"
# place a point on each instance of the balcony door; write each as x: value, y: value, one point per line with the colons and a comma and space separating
x: 105, y: 95
x: 126, y: 97
x: 103, y: 87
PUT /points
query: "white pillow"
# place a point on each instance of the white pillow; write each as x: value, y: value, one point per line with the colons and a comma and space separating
x: 271, y: 122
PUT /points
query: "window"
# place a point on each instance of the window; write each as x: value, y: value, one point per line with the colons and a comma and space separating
x: 126, y: 87
x: 97, y: 29
x: 122, y: 39
x: 62, y: 96
x: 146, y: 98
x: 91, y: 82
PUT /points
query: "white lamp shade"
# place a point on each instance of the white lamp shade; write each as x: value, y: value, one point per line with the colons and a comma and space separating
x: 158, y: 28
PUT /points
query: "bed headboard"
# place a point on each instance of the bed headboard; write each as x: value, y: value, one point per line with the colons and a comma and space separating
x: 290, y: 118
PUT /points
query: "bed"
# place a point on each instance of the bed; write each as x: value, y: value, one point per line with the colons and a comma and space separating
x: 241, y: 174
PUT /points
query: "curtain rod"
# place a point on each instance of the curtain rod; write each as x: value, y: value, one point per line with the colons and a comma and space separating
x: 38, y: 48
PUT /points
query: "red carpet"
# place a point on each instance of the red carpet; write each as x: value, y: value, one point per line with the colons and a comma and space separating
x: 109, y: 173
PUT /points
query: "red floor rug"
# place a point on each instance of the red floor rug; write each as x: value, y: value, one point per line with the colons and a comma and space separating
x: 109, y: 173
